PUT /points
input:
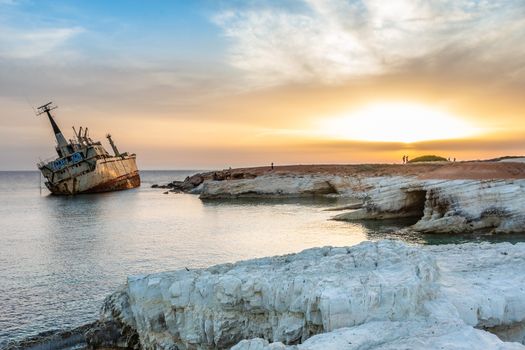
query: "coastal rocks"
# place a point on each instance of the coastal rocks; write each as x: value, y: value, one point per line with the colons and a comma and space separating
x: 269, y: 186
x: 116, y: 327
x: 465, y: 206
x: 447, y: 198
x: 348, y: 206
x: 416, y: 334
x: 442, y: 206
x: 182, y: 186
x: 376, y: 295
x: 486, y: 285
x: 287, y: 298
x: 193, y: 184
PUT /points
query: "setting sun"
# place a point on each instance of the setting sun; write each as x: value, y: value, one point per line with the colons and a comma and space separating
x: 398, y: 122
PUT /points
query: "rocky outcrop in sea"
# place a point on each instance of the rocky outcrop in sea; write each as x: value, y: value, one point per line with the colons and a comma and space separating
x: 376, y: 295
x: 447, y: 198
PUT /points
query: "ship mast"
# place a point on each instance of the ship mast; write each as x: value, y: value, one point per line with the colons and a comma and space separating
x: 62, y: 148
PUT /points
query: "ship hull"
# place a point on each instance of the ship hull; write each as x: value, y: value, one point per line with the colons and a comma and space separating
x: 111, y: 174
x: 126, y: 182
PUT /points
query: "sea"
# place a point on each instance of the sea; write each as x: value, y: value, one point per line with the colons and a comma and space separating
x: 60, y: 256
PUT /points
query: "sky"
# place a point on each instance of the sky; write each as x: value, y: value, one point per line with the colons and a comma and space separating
x: 211, y: 84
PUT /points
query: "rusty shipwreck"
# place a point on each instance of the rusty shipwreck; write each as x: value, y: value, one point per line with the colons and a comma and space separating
x: 84, y: 165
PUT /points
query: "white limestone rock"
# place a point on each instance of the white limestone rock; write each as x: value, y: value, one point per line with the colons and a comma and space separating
x: 287, y: 298
x: 385, y: 293
x: 416, y: 334
x: 486, y: 285
x: 269, y: 186
x: 479, y: 285
x: 443, y: 206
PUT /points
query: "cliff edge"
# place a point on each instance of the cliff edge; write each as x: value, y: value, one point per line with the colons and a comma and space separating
x: 376, y: 295
x: 446, y: 197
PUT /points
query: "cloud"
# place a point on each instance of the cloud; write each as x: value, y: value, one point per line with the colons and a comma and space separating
x: 26, y: 44
x: 333, y: 41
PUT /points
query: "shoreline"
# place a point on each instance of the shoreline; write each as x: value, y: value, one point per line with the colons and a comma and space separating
x: 55, y: 339
x: 372, y: 294
x: 446, y: 197
x: 371, y: 192
x: 466, y: 294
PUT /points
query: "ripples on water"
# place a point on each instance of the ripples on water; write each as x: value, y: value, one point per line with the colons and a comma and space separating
x: 60, y: 256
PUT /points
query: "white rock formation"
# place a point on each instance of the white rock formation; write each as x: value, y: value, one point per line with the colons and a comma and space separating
x: 269, y: 186
x: 446, y: 205
x: 384, y: 295
x: 485, y: 283
x: 450, y: 206
x: 391, y: 335
x: 479, y: 285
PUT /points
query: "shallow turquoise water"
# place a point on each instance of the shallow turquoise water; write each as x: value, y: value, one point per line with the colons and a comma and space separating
x: 60, y: 256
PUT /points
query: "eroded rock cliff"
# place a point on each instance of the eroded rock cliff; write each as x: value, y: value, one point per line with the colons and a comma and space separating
x: 448, y: 198
x: 451, y: 206
x: 340, y: 293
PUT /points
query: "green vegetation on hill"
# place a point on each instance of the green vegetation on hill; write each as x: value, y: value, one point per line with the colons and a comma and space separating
x: 428, y: 158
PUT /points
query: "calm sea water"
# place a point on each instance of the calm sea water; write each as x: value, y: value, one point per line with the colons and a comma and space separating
x: 60, y: 256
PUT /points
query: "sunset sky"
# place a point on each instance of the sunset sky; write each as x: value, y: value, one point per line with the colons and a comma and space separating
x: 213, y: 84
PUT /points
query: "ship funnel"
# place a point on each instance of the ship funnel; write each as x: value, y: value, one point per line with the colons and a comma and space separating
x: 47, y: 108
x: 115, y: 150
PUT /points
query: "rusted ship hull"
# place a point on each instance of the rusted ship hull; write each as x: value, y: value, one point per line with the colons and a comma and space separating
x: 124, y: 183
x: 110, y: 174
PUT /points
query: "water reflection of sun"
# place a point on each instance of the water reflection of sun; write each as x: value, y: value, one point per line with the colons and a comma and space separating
x: 398, y: 122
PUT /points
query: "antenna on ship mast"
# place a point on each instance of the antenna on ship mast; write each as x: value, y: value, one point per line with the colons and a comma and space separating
x: 45, y: 108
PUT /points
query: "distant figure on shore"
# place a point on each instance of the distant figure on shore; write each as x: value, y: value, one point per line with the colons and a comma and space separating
x: 404, y: 159
x: 454, y: 159
x: 448, y: 159
x: 272, y: 165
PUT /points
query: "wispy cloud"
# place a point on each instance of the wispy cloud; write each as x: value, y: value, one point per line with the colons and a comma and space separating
x: 333, y: 41
x: 24, y: 44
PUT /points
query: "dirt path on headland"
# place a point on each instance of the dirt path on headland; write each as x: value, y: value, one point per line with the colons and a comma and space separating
x: 441, y: 170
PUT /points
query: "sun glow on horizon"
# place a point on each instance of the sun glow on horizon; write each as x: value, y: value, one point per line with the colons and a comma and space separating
x: 398, y: 122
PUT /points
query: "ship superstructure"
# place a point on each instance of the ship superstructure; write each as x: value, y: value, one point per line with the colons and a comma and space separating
x: 84, y: 165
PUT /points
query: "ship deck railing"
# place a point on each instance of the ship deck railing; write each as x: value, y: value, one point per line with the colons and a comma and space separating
x: 45, y: 161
